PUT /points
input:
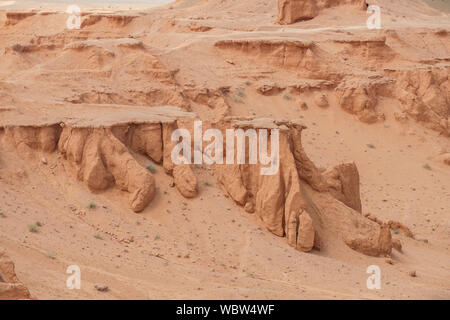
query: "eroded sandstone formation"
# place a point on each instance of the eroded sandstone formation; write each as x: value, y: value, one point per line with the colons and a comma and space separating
x: 101, y: 156
x: 10, y: 286
x: 100, y: 159
x: 425, y: 96
x: 343, y: 183
x: 291, y: 11
x: 421, y: 91
x: 289, y: 201
x: 359, y: 98
x: 13, y: 18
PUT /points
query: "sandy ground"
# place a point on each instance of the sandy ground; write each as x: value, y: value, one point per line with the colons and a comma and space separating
x: 207, y: 247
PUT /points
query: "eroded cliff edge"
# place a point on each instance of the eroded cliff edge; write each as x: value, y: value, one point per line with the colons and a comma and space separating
x: 307, y: 205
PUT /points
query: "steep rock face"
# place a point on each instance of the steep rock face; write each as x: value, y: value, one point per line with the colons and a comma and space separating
x: 425, y: 96
x: 111, y: 19
x: 13, y: 18
x: 100, y: 159
x: 10, y: 286
x: 297, y: 201
x: 102, y: 156
x: 276, y: 198
x: 289, y: 54
x: 185, y: 180
x: 233, y: 180
x: 339, y: 222
x: 372, y: 244
x: 306, y: 169
x: 291, y: 11
x: 343, y: 184
x: 306, y: 233
x: 145, y: 139
x: 30, y: 138
x: 373, y: 50
x: 421, y: 88
x: 288, y: 210
x: 106, y: 149
x: 359, y: 98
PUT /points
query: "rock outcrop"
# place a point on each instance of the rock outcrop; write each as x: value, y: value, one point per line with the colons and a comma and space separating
x: 185, y: 180
x: 359, y: 98
x: 425, y: 96
x: 299, y: 201
x: 306, y: 232
x: 101, y: 155
x: 372, y: 244
x: 115, y: 20
x: 13, y: 18
x: 343, y: 184
x: 291, y: 11
x: 100, y: 159
x: 10, y: 286
x: 295, y: 199
x: 293, y: 54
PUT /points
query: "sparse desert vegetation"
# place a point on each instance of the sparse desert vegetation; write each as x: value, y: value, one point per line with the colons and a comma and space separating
x: 151, y: 168
x: 33, y: 228
x: 98, y: 236
x: 89, y: 118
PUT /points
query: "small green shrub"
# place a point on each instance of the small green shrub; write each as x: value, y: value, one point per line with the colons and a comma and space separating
x: 240, y: 92
x: 151, y: 168
x: 98, y: 236
x: 238, y: 100
x: 33, y: 228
